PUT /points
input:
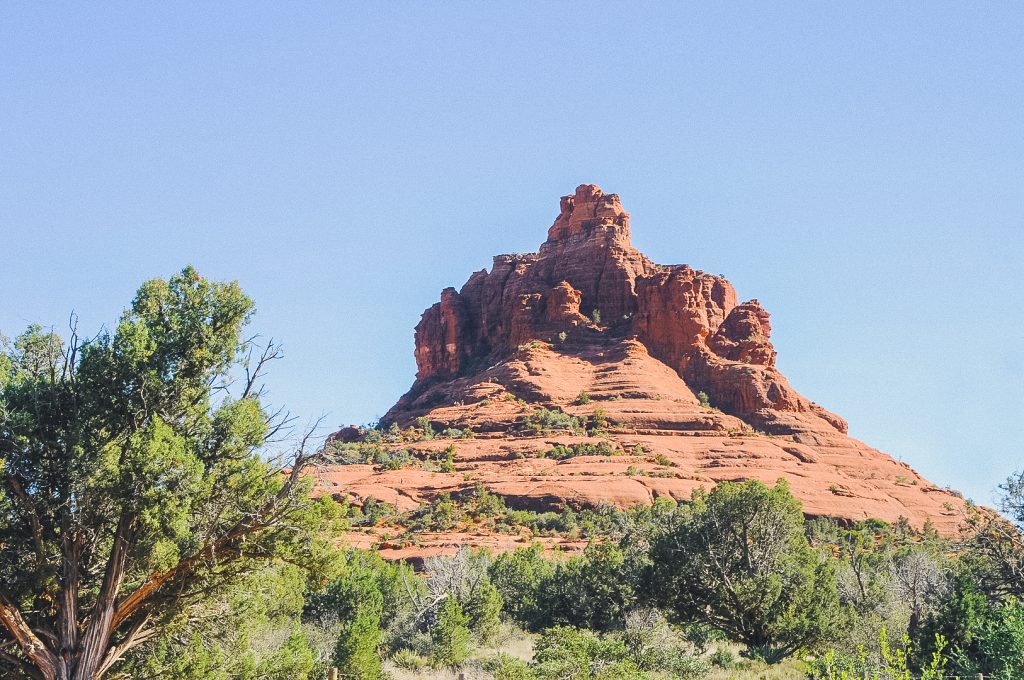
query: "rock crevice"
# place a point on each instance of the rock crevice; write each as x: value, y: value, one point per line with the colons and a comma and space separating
x: 587, y: 279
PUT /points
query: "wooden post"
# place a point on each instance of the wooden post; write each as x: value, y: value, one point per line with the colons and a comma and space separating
x: 333, y: 673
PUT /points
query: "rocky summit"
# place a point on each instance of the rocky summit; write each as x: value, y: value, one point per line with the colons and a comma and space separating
x: 646, y: 381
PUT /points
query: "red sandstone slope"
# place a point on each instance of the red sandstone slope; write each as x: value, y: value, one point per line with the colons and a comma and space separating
x: 525, y: 335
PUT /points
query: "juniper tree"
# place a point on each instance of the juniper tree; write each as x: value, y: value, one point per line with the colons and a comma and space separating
x: 737, y: 559
x: 133, y: 478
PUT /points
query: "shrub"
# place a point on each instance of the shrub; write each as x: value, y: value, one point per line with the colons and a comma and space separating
x: 374, y: 512
x: 520, y: 576
x: 561, y: 452
x: 484, y: 504
x: 483, y: 609
x: 723, y: 658
x: 566, y: 652
x: 425, y: 429
x: 447, y: 462
x: 738, y: 559
x: 442, y: 514
x: 456, y: 433
x: 449, y: 636
x: 505, y: 667
x: 549, y: 420
x: 598, y: 420
x: 593, y: 590
x: 704, y: 400
x: 582, y: 398
x: 595, y: 316
x: 410, y: 660
x: 662, y: 459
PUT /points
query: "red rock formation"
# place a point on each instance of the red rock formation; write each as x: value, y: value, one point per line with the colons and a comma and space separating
x: 524, y: 335
x: 686, y: 318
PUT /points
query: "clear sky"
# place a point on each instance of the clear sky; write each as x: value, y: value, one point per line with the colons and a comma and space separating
x: 857, y: 167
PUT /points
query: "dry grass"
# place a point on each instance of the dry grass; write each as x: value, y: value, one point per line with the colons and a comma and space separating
x: 510, y: 640
x: 519, y: 644
x: 791, y: 669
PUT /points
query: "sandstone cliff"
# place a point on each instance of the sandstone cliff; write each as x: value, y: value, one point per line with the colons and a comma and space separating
x: 684, y: 374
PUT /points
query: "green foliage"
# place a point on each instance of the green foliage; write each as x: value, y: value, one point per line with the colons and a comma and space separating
x: 449, y: 636
x: 598, y: 421
x: 704, y: 399
x: 521, y: 577
x: 591, y: 591
x: 425, y: 429
x: 595, y: 316
x: 456, y: 433
x: 893, y: 662
x: 545, y: 420
x: 410, y: 660
x: 737, y: 559
x: 129, y: 460
x: 442, y: 514
x: 483, y: 505
x: 582, y: 398
x: 564, y: 652
x: 354, y: 606
x: 365, y: 453
x: 983, y: 636
x: 246, y: 630
x: 505, y: 667
x: 447, y: 460
x: 561, y: 451
x: 373, y: 512
x: 483, y: 609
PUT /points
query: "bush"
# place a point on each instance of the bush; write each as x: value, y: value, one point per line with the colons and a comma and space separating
x: 449, y: 636
x: 410, y: 660
x: 354, y: 605
x: 374, y: 512
x: 442, y: 514
x: 505, y: 667
x: 723, y: 658
x: 483, y: 609
x: 582, y: 398
x: 704, y: 400
x: 566, y: 652
x: 447, y: 461
x: 425, y: 429
x: 562, y: 452
x: 738, y: 559
x: 520, y: 576
x: 550, y: 420
x: 598, y: 420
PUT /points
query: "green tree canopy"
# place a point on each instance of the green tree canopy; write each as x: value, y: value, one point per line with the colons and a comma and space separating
x: 737, y: 558
x: 133, y: 478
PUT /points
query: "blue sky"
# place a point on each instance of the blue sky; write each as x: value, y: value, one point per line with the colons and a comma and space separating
x: 858, y: 167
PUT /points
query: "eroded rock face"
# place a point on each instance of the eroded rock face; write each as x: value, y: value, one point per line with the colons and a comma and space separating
x: 684, y: 375
x: 588, y: 280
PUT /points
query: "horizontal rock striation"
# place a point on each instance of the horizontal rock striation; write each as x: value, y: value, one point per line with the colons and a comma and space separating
x: 684, y: 374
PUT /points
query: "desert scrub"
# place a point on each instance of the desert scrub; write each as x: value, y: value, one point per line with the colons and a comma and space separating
x: 551, y: 420
x: 362, y: 453
x: 561, y: 452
